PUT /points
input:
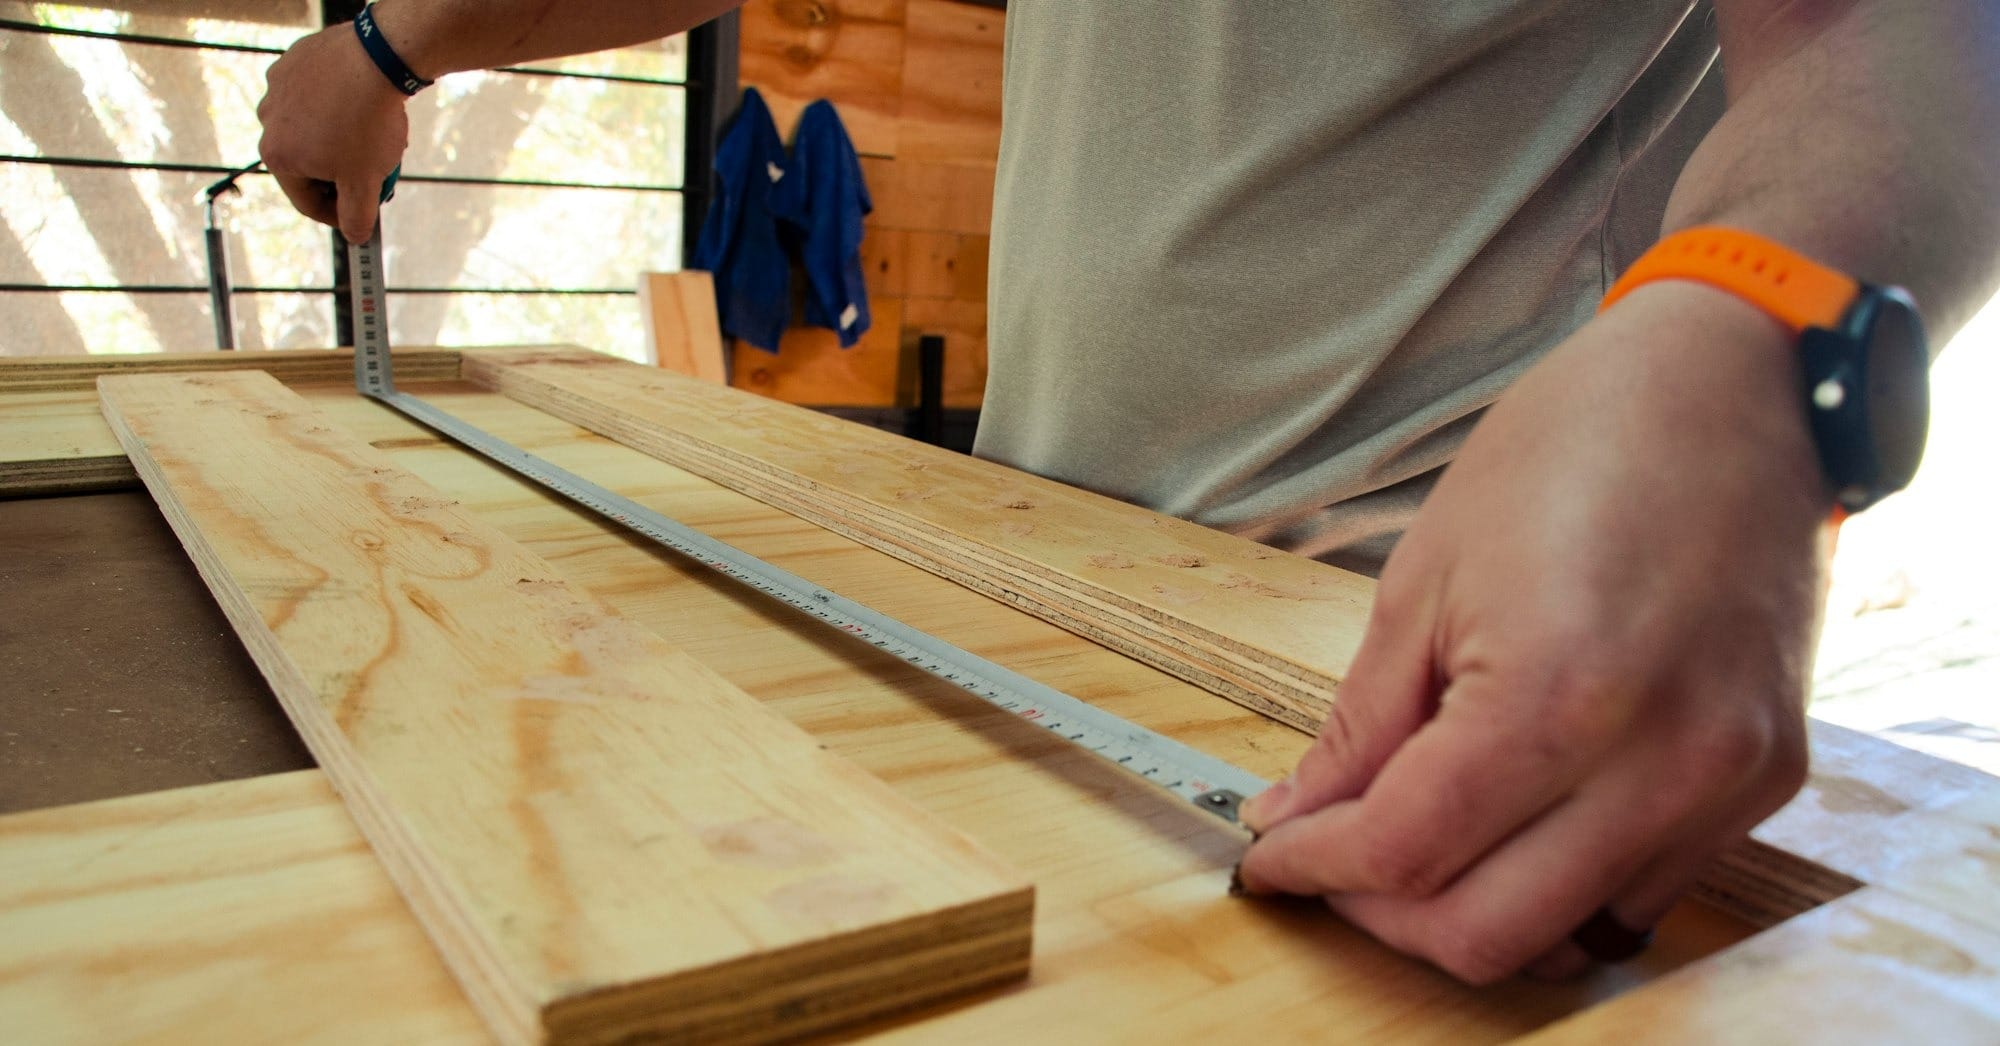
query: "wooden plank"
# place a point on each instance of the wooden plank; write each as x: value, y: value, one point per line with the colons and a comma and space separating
x: 931, y: 265
x: 292, y: 366
x: 1270, y: 630
x: 246, y: 911
x: 919, y: 196
x: 952, y: 67
x: 1132, y: 934
x: 1133, y: 930
x: 1876, y: 967
x: 682, y: 330
x: 847, y: 51
x: 530, y: 766
x: 810, y: 367
x: 56, y: 443
x: 885, y: 254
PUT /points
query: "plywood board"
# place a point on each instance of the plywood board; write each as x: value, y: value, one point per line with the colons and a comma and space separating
x: 919, y: 195
x: 810, y: 367
x: 1133, y: 933
x: 55, y: 442
x: 292, y: 366
x: 605, y: 839
x: 1271, y: 630
x: 849, y: 52
x: 952, y: 66
x: 681, y: 325
x: 246, y: 911
x: 1873, y: 968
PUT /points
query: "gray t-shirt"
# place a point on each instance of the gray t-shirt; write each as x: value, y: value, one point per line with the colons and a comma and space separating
x: 1262, y: 263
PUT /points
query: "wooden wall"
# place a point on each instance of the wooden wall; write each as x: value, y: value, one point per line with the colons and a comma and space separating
x: 917, y: 82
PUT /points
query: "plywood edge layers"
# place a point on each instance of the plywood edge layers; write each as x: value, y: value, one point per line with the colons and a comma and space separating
x: 292, y: 366
x: 554, y: 927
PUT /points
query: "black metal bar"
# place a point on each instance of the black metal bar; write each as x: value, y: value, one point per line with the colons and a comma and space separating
x: 219, y: 291
x: 930, y: 394
x: 430, y: 179
x: 150, y: 40
x: 134, y: 38
x: 201, y: 288
x: 712, y: 50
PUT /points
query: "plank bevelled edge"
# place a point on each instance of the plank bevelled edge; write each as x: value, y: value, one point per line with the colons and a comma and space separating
x: 996, y: 928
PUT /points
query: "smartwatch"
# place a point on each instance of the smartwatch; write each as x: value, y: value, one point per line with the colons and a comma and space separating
x: 1867, y: 366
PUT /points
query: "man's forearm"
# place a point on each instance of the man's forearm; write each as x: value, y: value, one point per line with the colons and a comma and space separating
x: 1863, y: 133
x: 435, y: 37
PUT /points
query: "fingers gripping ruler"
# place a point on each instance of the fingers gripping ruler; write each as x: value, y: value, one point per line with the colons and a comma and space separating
x: 1208, y: 783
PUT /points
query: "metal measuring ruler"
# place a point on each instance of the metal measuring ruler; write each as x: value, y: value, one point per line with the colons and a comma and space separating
x: 1203, y: 780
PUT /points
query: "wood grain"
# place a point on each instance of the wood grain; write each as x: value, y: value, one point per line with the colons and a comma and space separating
x: 847, y: 51
x: 1132, y: 928
x: 1876, y: 967
x: 1132, y: 934
x: 811, y: 368
x: 56, y: 443
x: 292, y: 366
x: 681, y: 325
x: 1268, y: 629
x: 247, y: 911
x: 1259, y: 626
x: 923, y: 196
x: 952, y: 65
x: 604, y: 838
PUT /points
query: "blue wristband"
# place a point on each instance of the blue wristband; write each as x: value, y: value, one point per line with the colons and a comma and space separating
x: 386, y: 58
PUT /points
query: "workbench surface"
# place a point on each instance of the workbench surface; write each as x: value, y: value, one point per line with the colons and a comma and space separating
x: 201, y: 931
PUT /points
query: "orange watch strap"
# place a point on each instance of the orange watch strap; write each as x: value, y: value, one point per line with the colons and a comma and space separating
x: 1794, y: 289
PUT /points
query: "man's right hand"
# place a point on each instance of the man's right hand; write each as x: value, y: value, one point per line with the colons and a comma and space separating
x: 334, y: 127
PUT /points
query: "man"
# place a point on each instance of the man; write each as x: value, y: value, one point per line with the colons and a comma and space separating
x: 1266, y: 264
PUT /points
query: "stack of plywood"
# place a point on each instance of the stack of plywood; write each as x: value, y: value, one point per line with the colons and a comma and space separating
x: 605, y: 838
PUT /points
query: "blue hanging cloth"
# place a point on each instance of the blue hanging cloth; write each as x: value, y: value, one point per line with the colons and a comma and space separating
x: 825, y: 198
x: 739, y: 242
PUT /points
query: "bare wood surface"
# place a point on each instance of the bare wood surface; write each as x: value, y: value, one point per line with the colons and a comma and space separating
x: 55, y: 442
x: 247, y: 911
x: 1875, y: 967
x: 810, y: 367
x: 1268, y: 629
x: 681, y: 325
x: 1133, y: 930
x: 849, y: 51
x: 1150, y: 963
x: 952, y: 68
x: 528, y: 765
x: 292, y: 366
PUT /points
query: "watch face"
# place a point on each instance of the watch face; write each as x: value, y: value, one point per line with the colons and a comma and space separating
x: 1898, y: 380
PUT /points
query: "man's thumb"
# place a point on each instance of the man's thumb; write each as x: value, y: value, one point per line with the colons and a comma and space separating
x: 356, y: 206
